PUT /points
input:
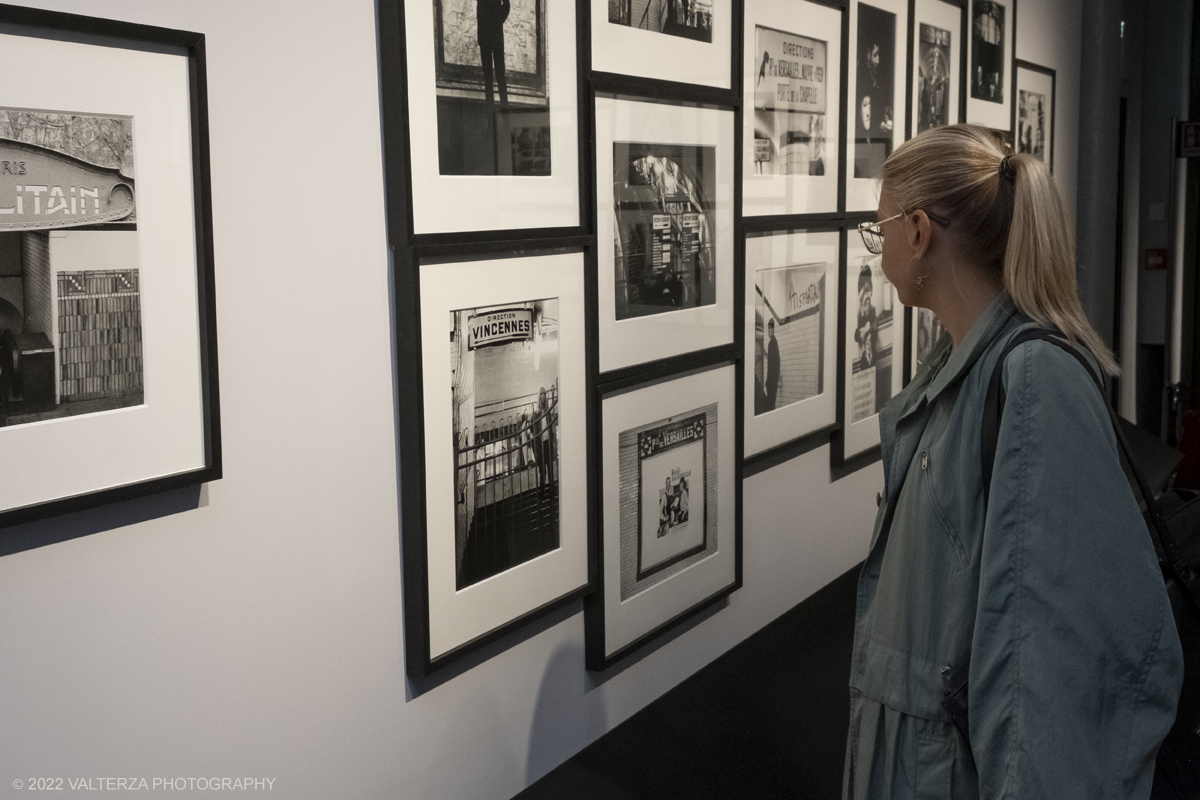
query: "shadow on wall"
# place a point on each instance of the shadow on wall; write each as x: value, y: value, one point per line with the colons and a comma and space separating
x: 40, y: 533
x: 556, y: 733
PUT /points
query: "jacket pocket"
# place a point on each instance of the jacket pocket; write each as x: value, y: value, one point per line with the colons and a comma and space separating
x: 934, y: 767
x: 942, y: 521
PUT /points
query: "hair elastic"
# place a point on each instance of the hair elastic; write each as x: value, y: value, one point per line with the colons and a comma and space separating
x: 1007, y: 170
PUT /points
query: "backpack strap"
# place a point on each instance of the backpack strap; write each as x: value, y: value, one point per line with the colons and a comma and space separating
x: 989, y: 434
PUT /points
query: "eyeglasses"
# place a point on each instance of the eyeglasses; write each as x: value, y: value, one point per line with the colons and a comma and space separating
x: 872, y: 232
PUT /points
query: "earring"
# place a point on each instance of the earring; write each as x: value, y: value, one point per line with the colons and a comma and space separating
x: 919, y: 279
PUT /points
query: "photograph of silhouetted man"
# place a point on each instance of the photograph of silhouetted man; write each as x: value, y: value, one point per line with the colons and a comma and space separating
x: 490, y: 16
x: 771, y: 384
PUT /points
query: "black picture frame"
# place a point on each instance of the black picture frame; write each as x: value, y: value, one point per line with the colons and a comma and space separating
x: 412, y: 433
x: 849, y: 456
x: 598, y: 655
x: 979, y: 111
x: 1018, y: 143
x: 715, y: 104
x: 810, y: 436
x: 103, y: 35
x: 630, y: 78
x: 962, y: 31
x: 395, y: 89
x: 836, y: 108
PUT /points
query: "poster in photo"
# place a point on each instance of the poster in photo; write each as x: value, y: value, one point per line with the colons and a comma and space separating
x: 107, y: 319
x: 685, y: 41
x: 664, y: 213
x: 492, y: 114
x: 937, y: 64
x: 1034, y: 111
x: 665, y: 497
x: 504, y: 402
x: 877, y: 96
x: 663, y: 239
x: 70, y: 288
x: 989, y: 63
x: 874, y: 346
x: 669, y: 538
x: 791, y: 335
x: 495, y: 529
x: 790, y: 139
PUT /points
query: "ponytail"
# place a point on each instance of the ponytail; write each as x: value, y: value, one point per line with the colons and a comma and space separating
x: 1011, y: 220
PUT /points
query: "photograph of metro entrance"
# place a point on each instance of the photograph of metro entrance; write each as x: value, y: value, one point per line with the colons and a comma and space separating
x: 504, y: 390
x: 70, y: 286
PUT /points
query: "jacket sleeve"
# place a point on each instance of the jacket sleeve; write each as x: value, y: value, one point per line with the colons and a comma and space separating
x: 1075, y: 665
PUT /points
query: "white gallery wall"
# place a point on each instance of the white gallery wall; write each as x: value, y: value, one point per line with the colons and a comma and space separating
x: 259, y: 635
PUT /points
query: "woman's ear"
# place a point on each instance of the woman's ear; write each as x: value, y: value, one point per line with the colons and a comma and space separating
x: 920, y: 229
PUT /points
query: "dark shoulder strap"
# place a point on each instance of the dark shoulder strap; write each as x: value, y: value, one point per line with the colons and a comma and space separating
x: 989, y: 434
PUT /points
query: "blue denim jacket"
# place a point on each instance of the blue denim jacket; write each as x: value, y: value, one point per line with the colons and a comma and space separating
x: 1052, y: 590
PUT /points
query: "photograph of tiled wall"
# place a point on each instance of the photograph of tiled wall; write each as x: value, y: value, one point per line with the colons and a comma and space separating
x: 100, y: 334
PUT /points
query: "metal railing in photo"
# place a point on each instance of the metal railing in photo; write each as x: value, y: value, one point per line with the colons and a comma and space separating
x: 512, y: 466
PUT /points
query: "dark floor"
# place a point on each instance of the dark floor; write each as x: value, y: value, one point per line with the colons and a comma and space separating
x: 767, y: 719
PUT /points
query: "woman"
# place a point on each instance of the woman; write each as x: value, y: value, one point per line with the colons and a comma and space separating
x: 1046, y: 598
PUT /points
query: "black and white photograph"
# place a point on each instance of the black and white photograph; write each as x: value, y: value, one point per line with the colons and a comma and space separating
x: 670, y: 530
x: 873, y: 343
x: 934, y: 88
x: 493, y: 106
x: 664, y: 249
x: 494, y: 444
x: 663, y: 227
x: 876, y: 95
x: 1031, y: 123
x: 874, y: 337
x: 873, y: 103
x: 667, y: 497
x: 504, y: 396
x: 987, y: 51
x: 690, y: 19
x: 927, y: 329
x: 685, y: 41
x: 990, y: 69
x: 1034, y: 112
x: 70, y: 299
x: 108, y: 375
x: 791, y: 135
x: 791, y: 95
x: 789, y: 335
x: 937, y: 47
x: 481, y: 114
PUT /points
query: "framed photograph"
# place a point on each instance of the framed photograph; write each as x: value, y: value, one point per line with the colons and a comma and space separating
x: 791, y: 335
x: 108, y: 363
x: 495, y: 524
x: 793, y: 61
x: 926, y: 330
x: 671, y: 523
x: 1033, y: 114
x: 686, y: 41
x: 872, y: 347
x: 990, y: 63
x: 878, y: 86
x: 937, y: 51
x: 664, y: 200
x: 490, y: 89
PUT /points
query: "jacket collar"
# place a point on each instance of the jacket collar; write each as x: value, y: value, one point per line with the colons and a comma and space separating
x: 991, y: 323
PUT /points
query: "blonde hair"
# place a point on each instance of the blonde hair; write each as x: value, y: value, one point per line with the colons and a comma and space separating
x: 1014, y: 226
